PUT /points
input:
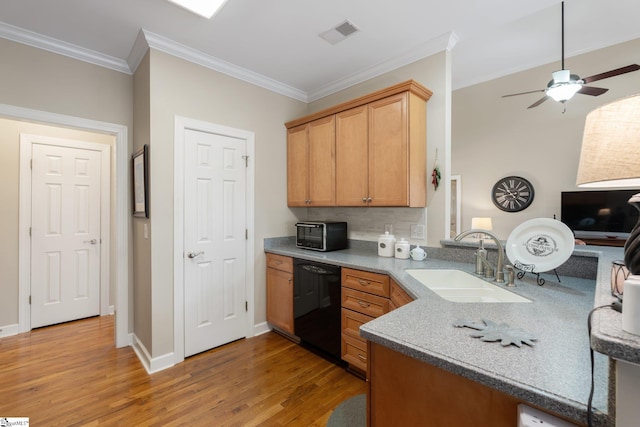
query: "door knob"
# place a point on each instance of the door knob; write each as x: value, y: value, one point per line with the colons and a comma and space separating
x: 92, y: 241
x: 194, y: 254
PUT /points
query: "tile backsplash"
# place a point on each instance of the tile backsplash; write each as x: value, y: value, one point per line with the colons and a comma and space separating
x: 369, y: 223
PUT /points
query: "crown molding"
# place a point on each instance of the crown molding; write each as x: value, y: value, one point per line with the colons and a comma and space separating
x: 446, y: 41
x: 168, y: 46
x: 50, y: 44
x: 147, y: 39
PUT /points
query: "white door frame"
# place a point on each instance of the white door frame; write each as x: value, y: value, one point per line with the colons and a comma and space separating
x: 26, y: 145
x: 119, y: 221
x: 181, y: 125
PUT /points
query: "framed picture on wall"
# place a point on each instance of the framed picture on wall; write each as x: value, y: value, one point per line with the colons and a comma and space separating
x: 140, y: 173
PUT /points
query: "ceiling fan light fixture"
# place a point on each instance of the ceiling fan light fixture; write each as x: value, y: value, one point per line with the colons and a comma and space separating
x: 562, y: 92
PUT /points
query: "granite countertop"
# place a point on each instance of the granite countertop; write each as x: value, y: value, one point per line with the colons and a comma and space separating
x: 554, y: 374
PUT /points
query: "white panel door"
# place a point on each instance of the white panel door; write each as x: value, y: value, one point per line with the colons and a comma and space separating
x: 65, y: 242
x: 214, y: 241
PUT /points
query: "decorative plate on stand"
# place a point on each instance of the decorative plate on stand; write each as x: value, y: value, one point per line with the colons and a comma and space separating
x: 540, y: 245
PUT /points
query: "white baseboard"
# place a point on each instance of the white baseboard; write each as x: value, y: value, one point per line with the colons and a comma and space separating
x: 261, y: 328
x: 8, y: 330
x: 112, y: 310
x: 155, y: 364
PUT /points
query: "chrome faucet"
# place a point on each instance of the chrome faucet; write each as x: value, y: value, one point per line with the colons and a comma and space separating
x: 500, y: 262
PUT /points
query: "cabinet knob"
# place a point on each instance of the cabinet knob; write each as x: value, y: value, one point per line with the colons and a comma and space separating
x: 364, y: 200
x: 369, y: 199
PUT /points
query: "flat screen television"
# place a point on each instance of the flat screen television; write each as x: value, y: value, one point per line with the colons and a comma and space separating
x: 599, y: 214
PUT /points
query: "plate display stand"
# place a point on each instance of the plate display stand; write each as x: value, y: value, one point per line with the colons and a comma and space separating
x: 539, y: 245
x: 530, y: 268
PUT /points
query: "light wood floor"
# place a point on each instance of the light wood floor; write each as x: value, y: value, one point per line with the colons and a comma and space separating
x: 72, y: 375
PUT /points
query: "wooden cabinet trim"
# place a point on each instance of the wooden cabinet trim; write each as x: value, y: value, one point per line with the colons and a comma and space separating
x: 373, y: 283
x: 351, y: 322
x: 280, y: 262
x: 399, y: 296
x: 354, y: 352
x: 408, y: 86
x: 364, y: 303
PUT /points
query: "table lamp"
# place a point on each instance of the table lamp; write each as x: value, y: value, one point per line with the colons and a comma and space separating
x: 610, y: 157
x: 481, y: 223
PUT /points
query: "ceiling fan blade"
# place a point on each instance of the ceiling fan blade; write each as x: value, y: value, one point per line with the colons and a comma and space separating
x: 538, y: 102
x: 523, y: 93
x: 612, y: 73
x: 591, y: 90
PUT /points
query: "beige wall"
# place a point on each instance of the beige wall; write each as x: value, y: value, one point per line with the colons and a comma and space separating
x: 495, y: 137
x: 39, y: 80
x: 141, y: 304
x: 368, y: 223
x: 181, y: 88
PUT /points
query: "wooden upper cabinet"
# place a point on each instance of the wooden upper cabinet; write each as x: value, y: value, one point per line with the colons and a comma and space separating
x: 352, y: 148
x: 379, y: 151
x: 388, y: 152
x: 322, y: 162
x: 297, y: 166
x: 311, y: 175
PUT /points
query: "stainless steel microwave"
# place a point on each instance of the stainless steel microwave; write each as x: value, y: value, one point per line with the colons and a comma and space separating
x: 321, y: 236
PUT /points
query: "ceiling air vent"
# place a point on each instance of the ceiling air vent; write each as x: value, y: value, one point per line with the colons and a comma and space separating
x: 339, y: 32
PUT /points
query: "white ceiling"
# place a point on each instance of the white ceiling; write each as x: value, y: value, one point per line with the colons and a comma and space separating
x: 275, y: 43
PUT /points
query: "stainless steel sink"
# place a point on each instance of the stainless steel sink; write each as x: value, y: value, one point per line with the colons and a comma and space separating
x: 459, y: 286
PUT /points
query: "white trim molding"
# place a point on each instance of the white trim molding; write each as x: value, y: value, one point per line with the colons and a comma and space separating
x: 30, y: 38
x: 151, y: 364
x: 8, y: 330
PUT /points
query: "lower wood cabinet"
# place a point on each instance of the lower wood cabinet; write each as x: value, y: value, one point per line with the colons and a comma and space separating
x: 404, y: 391
x: 280, y: 292
x: 365, y: 296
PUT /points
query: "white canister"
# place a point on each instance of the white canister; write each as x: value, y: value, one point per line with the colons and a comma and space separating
x: 402, y: 249
x: 386, y: 244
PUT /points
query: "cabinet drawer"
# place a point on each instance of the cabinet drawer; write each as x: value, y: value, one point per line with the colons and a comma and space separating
x: 399, y: 296
x: 354, y: 352
x: 280, y: 262
x: 373, y: 283
x: 364, y: 303
x: 351, y: 322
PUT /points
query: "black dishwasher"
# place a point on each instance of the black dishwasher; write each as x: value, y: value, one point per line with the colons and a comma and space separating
x: 316, y: 305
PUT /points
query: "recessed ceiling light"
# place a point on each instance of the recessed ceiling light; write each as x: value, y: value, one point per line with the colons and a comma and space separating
x: 204, y: 8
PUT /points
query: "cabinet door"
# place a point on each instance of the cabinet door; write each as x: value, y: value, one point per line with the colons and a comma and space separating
x: 297, y: 166
x: 280, y: 299
x: 388, y: 151
x: 322, y: 155
x: 352, y: 152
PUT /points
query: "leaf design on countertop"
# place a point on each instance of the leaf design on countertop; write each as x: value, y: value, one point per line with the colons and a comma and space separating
x: 490, y: 331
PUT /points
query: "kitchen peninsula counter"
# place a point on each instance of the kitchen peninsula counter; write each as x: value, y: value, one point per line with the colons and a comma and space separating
x: 554, y: 374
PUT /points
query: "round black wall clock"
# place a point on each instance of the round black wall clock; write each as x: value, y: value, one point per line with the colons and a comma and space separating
x: 512, y: 194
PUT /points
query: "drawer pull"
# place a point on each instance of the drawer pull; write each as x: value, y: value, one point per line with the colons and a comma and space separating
x: 364, y: 282
x: 364, y: 304
x: 362, y: 357
x: 278, y: 262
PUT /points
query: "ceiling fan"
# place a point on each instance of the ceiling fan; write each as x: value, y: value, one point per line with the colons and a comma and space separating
x: 564, y: 84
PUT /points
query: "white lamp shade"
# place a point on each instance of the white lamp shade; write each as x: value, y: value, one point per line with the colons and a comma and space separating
x: 481, y: 223
x: 610, y: 155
